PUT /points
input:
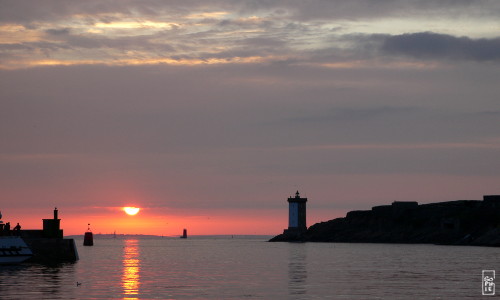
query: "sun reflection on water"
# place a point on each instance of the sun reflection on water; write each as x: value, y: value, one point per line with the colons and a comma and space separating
x: 131, y: 277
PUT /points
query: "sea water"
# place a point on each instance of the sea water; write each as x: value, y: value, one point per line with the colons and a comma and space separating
x: 252, y: 268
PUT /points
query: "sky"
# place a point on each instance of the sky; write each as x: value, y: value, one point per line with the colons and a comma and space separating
x: 209, y: 114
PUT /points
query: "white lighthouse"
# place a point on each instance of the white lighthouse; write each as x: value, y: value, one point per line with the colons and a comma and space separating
x: 297, y: 213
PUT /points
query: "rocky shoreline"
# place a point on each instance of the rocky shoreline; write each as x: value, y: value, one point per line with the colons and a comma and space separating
x: 461, y: 222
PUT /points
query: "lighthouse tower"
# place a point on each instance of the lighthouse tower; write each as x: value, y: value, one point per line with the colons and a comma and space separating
x: 297, y: 214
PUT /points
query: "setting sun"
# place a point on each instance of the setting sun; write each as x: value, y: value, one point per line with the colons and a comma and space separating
x: 131, y: 210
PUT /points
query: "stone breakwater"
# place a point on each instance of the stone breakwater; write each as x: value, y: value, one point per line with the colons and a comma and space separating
x: 461, y: 222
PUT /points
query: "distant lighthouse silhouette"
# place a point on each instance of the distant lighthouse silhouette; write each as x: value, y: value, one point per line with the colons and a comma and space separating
x: 296, y: 214
x: 184, y: 234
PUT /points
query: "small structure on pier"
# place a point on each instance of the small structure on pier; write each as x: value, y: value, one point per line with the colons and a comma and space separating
x: 88, y: 238
x: 184, y: 234
x: 52, y: 227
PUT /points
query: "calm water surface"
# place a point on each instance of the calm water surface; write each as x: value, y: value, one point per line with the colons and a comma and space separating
x: 251, y: 268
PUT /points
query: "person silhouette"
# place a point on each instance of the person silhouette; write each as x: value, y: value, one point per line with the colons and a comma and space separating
x: 17, y: 230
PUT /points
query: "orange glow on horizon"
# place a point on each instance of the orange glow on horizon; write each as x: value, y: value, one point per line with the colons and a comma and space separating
x: 132, y: 61
x: 164, y: 222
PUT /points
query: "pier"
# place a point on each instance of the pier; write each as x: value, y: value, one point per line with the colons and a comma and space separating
x: 48, y: 244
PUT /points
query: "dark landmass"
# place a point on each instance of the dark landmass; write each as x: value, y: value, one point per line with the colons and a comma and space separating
x: 461, y: 222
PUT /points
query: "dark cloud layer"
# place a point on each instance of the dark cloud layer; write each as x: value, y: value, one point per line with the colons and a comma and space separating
x: 429, y: 45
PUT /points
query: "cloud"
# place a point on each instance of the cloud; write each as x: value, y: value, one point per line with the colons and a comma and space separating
x: 25, y: 11
x: 62, y: 31
x: 429, y: 45
x: 331, y: 33
x: 368, y: 9
x: 363, y: 114
x: 236, y: 133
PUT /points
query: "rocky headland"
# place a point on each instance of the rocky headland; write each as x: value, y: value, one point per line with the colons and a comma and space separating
x: 461, y: 222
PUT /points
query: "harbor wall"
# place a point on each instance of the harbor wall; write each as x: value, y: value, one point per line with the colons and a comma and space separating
x: 52, y: 250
